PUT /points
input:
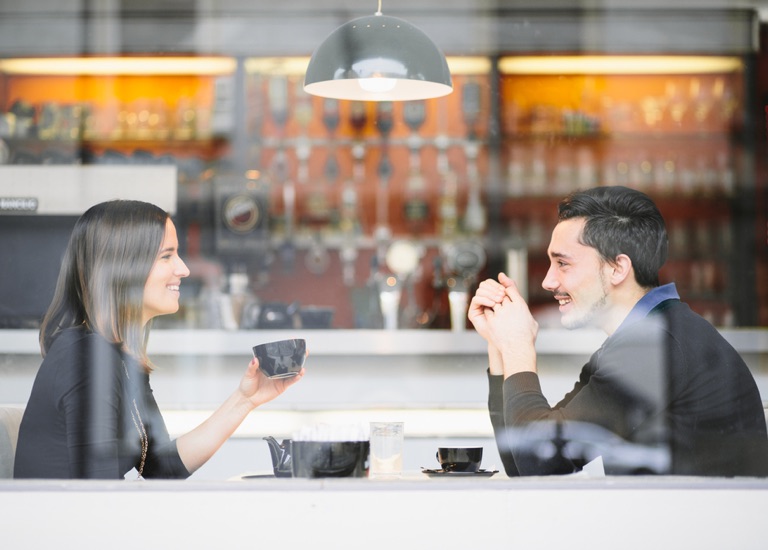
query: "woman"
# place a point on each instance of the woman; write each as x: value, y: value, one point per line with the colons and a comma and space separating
x: 91, y: 413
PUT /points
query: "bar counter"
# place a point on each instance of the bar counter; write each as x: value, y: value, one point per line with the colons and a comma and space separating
x: 411, y: 512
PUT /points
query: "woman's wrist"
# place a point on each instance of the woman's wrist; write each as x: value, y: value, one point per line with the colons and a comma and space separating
x: 242, y: 402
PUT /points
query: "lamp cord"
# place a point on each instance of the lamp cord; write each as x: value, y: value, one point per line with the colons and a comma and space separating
x: 378, y: 12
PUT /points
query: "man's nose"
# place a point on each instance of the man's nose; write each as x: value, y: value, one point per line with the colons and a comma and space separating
x: 549, y: 282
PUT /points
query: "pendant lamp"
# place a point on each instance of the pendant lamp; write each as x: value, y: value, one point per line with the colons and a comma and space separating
x: 378, y: 58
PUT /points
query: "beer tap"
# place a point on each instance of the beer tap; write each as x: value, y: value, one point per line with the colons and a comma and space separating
x: 475, y: 218
x: 464, y: 260
x: 278, y: 106
x: 316, y: 258
x: 349, y: 221
x: 384, y: 124
x: 448, y: 211
x: 302, y: 113
x: 331, y: 119
x: 416, y: 206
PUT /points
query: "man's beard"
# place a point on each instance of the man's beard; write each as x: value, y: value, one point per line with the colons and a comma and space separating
x: 589, y: 317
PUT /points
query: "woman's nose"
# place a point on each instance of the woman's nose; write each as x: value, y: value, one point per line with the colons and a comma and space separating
x: 181, y: 269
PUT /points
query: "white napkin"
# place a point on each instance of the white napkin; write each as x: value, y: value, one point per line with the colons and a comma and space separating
x: 592, y: 469
x: 328, y: 432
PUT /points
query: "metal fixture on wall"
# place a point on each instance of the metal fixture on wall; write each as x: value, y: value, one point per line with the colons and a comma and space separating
x: 378, y: 58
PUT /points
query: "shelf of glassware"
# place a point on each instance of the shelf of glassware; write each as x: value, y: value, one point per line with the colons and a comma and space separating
x: 367, y: 342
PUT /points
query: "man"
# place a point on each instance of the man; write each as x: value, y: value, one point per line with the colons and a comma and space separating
x: 664, y: 378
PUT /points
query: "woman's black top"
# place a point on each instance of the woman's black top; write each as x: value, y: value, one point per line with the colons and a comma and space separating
x: 81, y: 420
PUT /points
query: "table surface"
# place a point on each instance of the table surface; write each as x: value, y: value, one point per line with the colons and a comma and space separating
x: 631, y: 513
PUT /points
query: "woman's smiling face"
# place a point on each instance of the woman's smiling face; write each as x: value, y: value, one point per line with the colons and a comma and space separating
x: 577, y: 276
x: 161, y: 291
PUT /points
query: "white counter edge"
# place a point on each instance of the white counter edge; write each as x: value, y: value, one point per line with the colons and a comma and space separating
x: 366, y: 342
x: 575, y: 513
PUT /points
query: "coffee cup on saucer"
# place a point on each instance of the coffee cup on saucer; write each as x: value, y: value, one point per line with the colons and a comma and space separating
x: 460, y: 459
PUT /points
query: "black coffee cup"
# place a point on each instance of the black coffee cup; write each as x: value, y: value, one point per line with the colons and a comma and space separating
x: 313, y: 459
x: 281, y: 359
x: 460, y: 459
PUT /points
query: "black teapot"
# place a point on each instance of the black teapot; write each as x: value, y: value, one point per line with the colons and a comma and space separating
x: 281, y: 456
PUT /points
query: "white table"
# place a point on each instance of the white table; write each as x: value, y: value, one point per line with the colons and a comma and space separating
x: 488, y: 513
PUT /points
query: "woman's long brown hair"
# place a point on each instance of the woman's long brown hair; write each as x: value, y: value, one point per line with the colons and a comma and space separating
x: 111, y: 251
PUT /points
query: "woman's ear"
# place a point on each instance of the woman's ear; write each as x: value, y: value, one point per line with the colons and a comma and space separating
x: 622, y: 268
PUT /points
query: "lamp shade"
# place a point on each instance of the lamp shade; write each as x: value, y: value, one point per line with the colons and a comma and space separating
x: 378, y: 58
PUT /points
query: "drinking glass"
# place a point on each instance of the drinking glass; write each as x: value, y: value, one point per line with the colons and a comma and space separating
x: 386, y: 449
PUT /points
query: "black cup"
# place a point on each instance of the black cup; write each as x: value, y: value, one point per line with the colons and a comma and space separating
x: 460, y: 459
x: 314, y: 459
x: 281, y: 359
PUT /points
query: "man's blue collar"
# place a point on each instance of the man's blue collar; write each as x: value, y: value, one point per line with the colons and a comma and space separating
x: 652, y: 299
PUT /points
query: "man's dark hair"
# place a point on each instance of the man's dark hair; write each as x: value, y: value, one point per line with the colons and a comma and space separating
x: 620, y: 220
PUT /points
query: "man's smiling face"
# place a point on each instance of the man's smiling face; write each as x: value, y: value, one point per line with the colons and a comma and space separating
x: 577, y: 276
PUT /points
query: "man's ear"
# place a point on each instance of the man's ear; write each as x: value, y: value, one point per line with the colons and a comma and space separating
x: 622, y: 268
